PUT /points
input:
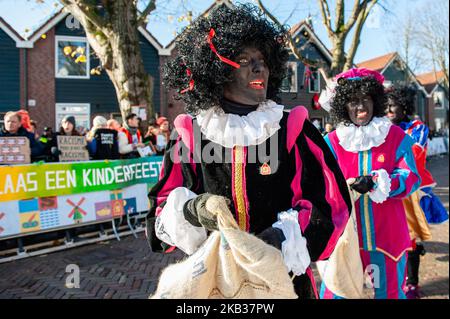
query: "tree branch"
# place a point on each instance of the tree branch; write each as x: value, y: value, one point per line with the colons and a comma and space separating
x: 151, y: 6
x: 357, y: 8
x: 362, y: 17
x: 339, y: 23
x: 326, y: 17
x: 85, y: 9
x: 292, y: 46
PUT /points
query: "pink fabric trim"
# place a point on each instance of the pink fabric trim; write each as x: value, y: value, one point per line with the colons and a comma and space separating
x: 313, y: 281
x: 339, y: 210
x: 175, y: 179
x: 158, y: 211
x: 295, y: 121
x: 304, y: 213
x: 184, y: 127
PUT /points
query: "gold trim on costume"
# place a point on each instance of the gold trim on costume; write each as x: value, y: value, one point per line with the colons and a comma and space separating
x: 239, y: 158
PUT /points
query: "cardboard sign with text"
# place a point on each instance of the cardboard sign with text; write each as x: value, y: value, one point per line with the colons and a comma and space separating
x: 73, y: 149
x: 14, y: 150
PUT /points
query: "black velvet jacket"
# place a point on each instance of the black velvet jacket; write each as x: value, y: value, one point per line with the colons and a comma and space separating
x: 302, y: 178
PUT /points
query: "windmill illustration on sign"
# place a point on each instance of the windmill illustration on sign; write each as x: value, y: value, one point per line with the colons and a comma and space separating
x: 77, y: 212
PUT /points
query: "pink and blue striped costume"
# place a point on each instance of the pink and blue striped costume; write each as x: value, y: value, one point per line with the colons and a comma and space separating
x: 382, y: 227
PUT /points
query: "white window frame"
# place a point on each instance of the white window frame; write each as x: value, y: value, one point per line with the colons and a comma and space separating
x: 88, y: 60
x: 294, y: 85
x: 57, y: 124
x: 441, y: 96
x: 318, y: 81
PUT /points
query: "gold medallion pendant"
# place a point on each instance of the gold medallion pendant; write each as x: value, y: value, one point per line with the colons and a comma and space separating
x: 265, y: 169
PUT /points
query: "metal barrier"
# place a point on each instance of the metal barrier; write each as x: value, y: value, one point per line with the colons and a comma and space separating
x: 51, y: 198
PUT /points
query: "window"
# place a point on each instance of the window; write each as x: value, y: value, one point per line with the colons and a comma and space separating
x: 438, y: 100
x: 81, y: 112
x: 290, y: 81
x: 72, y: 58
x: 314, y: 82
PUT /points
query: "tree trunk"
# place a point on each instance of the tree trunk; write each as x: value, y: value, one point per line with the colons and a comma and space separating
x: 116, y: 43
x: 132, y: 83
x: 338, y: 51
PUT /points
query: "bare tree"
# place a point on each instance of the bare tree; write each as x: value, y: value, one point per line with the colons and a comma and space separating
x: 111, y: 28
x: 404, y: 40
x: 432, y: 23
x: 296, y: 51
x: 339, y: 33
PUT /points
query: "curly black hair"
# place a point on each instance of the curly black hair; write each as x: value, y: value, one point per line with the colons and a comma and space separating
x: 238, y: 27
x: 348, y: 88
x: 403, y: 96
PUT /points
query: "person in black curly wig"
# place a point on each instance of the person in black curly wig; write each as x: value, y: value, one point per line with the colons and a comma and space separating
x: 400, y: 103
x: 420, y: 209
x: 377, y: 161
x: 349, y: 90
x: 200, y: 76
x: 245, y: 148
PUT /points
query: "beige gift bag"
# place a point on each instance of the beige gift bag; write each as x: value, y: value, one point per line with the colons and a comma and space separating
x: 343, y: 272
x: 230, y: 264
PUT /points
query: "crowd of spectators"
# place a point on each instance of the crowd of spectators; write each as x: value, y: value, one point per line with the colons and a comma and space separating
x: 107, y: 138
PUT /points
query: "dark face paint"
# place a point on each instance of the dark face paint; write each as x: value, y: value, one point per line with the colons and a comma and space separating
x: 249, y: 85
x: 395, y: 112
x: 360, y: 109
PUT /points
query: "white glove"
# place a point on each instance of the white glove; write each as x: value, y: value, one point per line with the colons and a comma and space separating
x: 294, y: 250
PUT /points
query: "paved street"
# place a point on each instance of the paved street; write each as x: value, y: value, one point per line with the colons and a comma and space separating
x: 127, y: 269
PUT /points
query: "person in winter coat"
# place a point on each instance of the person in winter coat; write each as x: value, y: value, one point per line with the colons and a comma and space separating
x: 13, y: 127
x: 130, y: 137
x: 102, y: 141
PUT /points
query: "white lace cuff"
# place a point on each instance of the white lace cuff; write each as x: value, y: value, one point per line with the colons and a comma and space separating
x: 171, y: 226
x: 382, y: 186
x: 294, y: 250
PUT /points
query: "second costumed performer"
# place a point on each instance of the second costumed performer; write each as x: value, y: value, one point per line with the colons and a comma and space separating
x: 376, y: 158
x: 242, y: 145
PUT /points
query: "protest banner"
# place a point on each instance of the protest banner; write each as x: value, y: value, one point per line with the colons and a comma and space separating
x: 41, y: 197
x: 14, y: 150
x: 73, y: 148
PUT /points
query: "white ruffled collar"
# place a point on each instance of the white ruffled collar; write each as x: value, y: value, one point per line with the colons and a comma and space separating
x: 362, y: 138
x: 231, y: 130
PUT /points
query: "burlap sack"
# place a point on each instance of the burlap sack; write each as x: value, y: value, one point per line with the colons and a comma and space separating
x: 343, y: 272
x: 231, y: 264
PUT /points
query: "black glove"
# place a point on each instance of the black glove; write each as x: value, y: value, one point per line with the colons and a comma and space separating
x: 55, y: 151
x: 272, y: 236
x: 363, y: 184
x: 195, y: 212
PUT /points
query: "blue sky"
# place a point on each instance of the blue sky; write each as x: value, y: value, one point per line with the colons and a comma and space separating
x: 163, y: 24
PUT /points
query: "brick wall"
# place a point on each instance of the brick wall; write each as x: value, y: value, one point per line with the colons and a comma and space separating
x: 41, y: 80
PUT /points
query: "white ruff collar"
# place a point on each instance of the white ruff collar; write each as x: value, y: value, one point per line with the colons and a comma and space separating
x: 231, y: 130
x: 362, y: 138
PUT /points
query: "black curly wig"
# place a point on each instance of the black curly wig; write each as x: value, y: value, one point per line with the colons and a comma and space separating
x: 403, y: 96
x: 348, y: 88
x: 235, y: 28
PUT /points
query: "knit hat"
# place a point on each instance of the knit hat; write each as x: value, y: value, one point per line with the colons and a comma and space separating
x: 70, y: 119
x: 25, y: 119
x: 99, y: 121
x: 161, y: 120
